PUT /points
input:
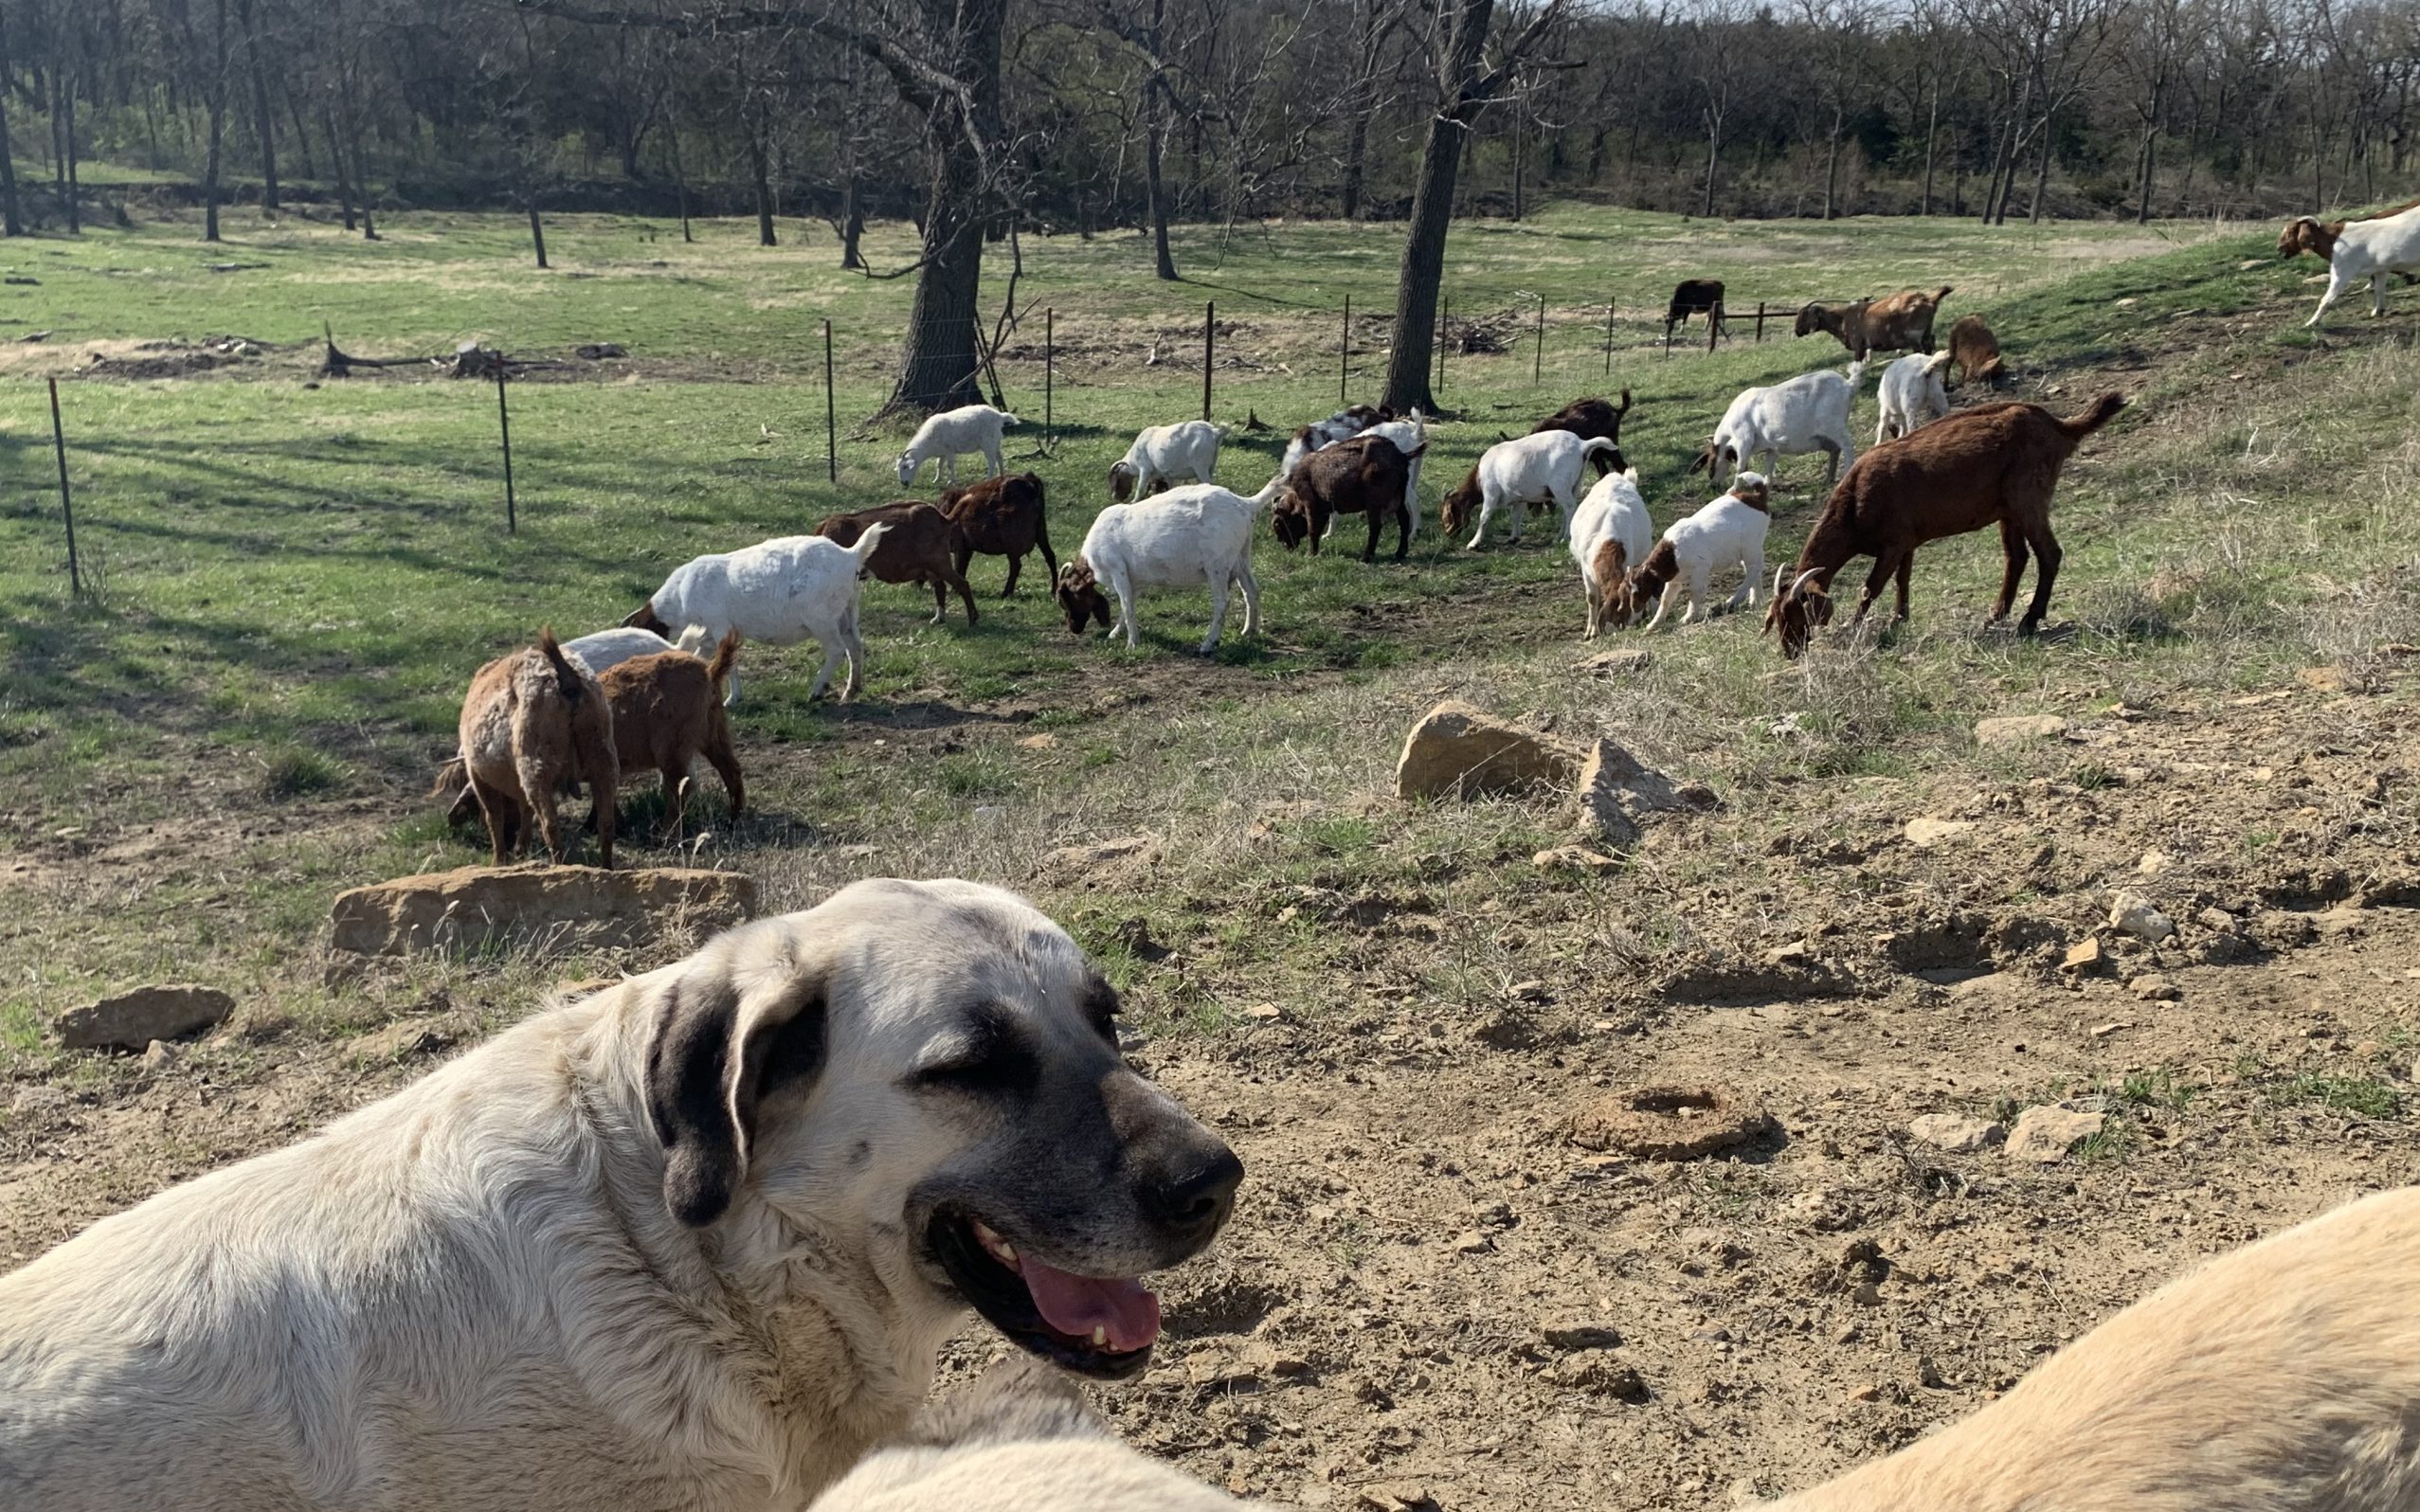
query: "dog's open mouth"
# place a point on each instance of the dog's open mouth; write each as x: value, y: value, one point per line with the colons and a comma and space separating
x: 1097, y: 1326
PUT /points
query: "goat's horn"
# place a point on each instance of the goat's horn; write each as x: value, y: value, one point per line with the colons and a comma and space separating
x: 1778, y: 574
x: 1801, y: 585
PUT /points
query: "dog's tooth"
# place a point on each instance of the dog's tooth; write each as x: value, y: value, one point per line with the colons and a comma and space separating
x: 1100, y: 1336
x: 1006, y: 1251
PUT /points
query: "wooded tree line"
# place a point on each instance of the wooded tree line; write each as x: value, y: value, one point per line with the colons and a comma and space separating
x: 988, y: 119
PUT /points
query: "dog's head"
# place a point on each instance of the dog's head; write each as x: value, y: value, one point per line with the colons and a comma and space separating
x: 1080, y: 597
x: 918, y: 1084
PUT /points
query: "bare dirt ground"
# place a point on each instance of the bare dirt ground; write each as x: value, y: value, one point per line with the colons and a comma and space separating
x: 1431, y: 1291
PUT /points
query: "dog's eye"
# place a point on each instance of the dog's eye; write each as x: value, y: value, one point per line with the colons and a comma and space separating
x: 991, y: 1061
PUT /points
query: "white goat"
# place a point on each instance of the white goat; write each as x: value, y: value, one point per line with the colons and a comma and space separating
x: 780, y: 592
x: 1165, y: 454
x: 1610, y: 534
x: 1342, y: 425
x: 952, y: 434
x: 1535, y: 469
x: 1195, y: 533
x: 611, y: 648
x: 2371, y: 249
x: 1912, y: 394
x: 1726, y: 533
x: 1810, y: 413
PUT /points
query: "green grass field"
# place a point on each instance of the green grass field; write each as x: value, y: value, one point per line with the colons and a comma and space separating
x: 294, y: 580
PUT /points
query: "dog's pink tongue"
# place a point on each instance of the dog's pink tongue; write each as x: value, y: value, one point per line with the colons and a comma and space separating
x: 1076, y: 1305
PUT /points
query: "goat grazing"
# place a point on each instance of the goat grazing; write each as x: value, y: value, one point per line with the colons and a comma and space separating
x: 952, y: 434
x: 667, y: 713
x: 1897, y: 322
x: 1975, y: 351
x: 1165, y: 453
x: 1351, y: 421
x: 1725, y: 533
x: 1592, y: 418
x: 920, y: 547
x: 1001, y: 516
x: 1995, y: 463
x: 532, y: 720
x: 780, y: 592
x: 1912, y: 394
x: 1540, y: 468
x: 1693, y: 297
x: 1810, y: 413
x: 1193, y: 533
x: 2282, y: 1374
x: 1365, y: 475
x: 1610, y: 532
x: 2363, y: 249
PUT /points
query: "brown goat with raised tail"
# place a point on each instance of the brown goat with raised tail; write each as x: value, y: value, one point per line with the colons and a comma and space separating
x: 1991, y: 464
x: 667, y: 713
x: 1594, y: 420
x: 999, y: 517
x: 530, y: 720
x: 1896, y: 322
x: 1975, y: 352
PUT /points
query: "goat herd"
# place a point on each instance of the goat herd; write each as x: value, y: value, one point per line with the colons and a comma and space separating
x: 545, y: 718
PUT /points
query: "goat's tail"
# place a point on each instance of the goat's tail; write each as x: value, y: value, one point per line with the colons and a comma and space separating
x: 863, y: 551
x: 1006, y: 418
x: 567, y: 676
x: 450, y: 778
x: 1269, y: 492
x: 726, y: 654
x: 1223, y: 431
x: 1947, y: 290
x: 1623, y: 408
x: 2103, y: 410
x: 1938, y: 361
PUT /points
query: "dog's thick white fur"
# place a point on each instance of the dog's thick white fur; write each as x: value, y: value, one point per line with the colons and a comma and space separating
x: 1020, y: 1440
x: 2282, y: 1378
x: 664, y: 1249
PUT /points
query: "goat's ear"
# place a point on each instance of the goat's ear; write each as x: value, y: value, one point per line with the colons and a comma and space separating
x: 740, y: 1023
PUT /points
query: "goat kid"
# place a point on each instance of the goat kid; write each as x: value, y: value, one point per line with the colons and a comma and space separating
x: 1351, y: 421
x: 532, y: 720
x: 1975, y: 351
x: 667, y: 714
x: 1197, y: 533
x: 1993, y: 464
x: 780, y: 592
x: 2371, y: 250
x: 1591, y: 418
x: 1541, y: 468
x: 954, y: 433
x: 1912, y: 394
x: 1611, y: 532
x: 1725, y: 533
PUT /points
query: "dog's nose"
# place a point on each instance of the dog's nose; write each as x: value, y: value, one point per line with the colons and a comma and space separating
x: 1192, y: 1202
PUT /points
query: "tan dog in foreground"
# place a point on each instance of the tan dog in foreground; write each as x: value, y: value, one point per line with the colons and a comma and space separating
x: 2284, y: 1375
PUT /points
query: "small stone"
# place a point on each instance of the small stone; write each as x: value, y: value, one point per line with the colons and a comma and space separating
x: 2045, y: 1134
x: 2153, y: 987
x: 1042, y: 742
x: 1395, y: 1496
x: 1866, y: 1394
x: 2153, y: 863
x: 132, y: 1020
x: 1574, y: 858
x: 2083, y: 956
x: 1956, y: 1133
x: 1929, y: 1373
x: 553, y: 909
x: 2328, y: 679
x: 991, y: 811
x: 1265, y: 1012
x: 1845, y: 1334
x: 1143, y: 849
x: 2105, y: 1031
x: 1924, y: 833
x: 2139, y: 916
x: 1865, y: 1294
x: 160, y: 1056
x: 1797, y: 953
x: 401, y: 1041
x: 1614, y: 663
x: 1599, y: 1374
x: 1532, y: 991
x: 2017, y: 729
x: 1473, y: 1242
x: 1583, y: 1336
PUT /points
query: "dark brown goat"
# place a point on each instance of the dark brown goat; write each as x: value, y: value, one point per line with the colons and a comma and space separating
x: 1975, y: 351
x: 1001, y: 516
x: 1366, y: 475
x: 921, y: 547
x: 531, y: 720
x: 1695, y: 296
x: 1592, y: 420
x: 1995, y: 463
x: 1897, y: 322
x: 667, y: 713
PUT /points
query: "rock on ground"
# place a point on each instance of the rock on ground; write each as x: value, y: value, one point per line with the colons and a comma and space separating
x: 544, y: 907
x: 1671, y: 1123
x: 1459, y: 751
x: 2045, y: 1134
x: 2139, y: 916
x: 1924, y: 833
x: 132, y: 1020
x: 1956, y: 1133
x: 2016, y: 729
x: 1615, y: 790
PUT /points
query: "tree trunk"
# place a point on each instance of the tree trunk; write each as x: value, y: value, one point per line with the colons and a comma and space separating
x: 1832, y: 168
x: 344, y: 176
x: 353, y: 149
x: 12, y: 219
x: 852, y: 225
x: 2142, y: 177
x: 1155, y: 195
x: 63, y: 138
x: 937, y: 367
x: 1520, y: 166
x: 1408, y: 364
x: 264, y: 122
x: 302, y: 137
x: 765, y: 235
x: 217, y: 107
x: 1713, y: 153
x: 2041, y: 175
x: 1356, y: 155
x: 538, y: 227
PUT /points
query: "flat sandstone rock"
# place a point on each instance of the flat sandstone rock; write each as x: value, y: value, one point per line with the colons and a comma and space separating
x: 549, y: 906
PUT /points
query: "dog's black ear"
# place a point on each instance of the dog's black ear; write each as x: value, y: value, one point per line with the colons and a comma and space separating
x: 716, y: 1055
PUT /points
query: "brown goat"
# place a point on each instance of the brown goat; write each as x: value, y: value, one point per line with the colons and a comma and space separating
x: 1594, y: 420
x: 531, y: 720
x: 1975, y: 351
x: 1366, y: 475
x: 1001, y: 516
x: 921, y: 547
x: 1897, y: 322
x: 667, y: 713
x: 1995, y: 463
